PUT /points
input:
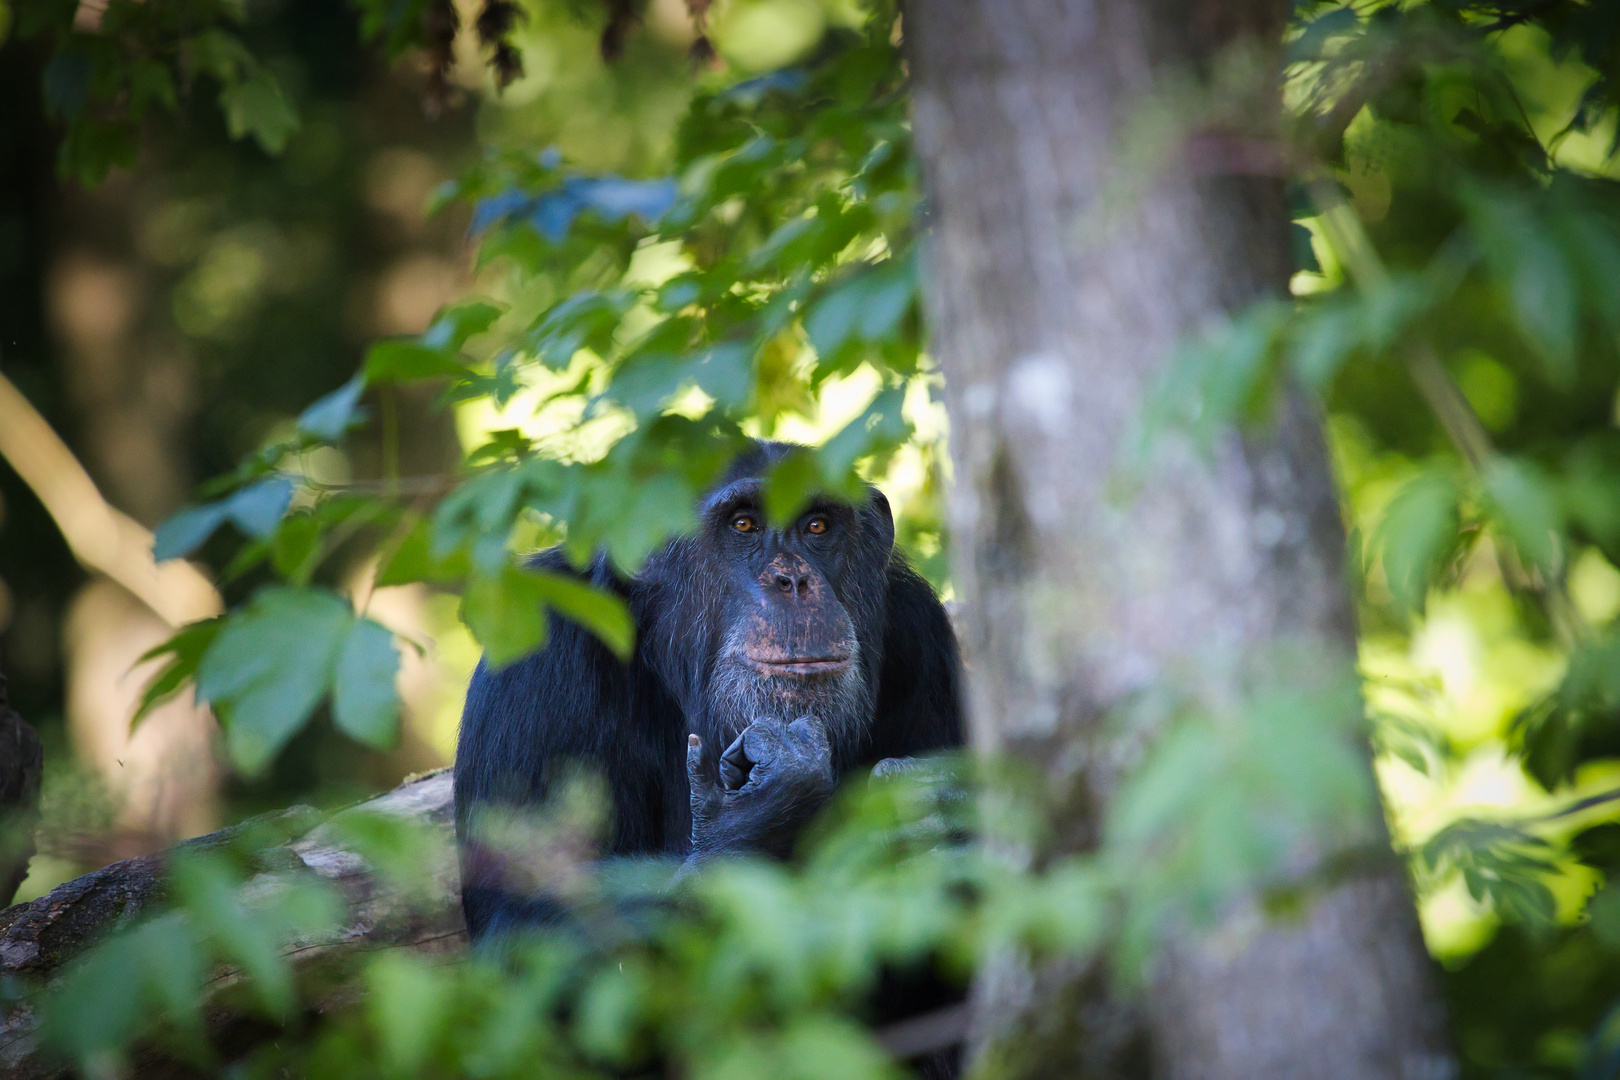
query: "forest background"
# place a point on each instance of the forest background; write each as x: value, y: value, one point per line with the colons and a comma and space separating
x: 642, y: 255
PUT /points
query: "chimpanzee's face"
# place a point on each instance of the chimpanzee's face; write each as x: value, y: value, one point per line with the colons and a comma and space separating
x: 790, y: 646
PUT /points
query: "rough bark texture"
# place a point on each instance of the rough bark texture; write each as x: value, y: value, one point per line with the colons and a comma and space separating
x: 37, y: 938
x: 1055, y: 304
x: 22, y: 766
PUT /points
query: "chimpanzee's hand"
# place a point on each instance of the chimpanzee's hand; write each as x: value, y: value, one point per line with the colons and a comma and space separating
x: 761, y: 789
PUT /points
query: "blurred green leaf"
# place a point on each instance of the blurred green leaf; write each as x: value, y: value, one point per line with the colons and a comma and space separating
x: 184, y: 651
x: 408, y: 1003
x: 1419, y: 528
x: 256, y: 106
x: 1533, y: 274
x: 506, y: 613
x: 404, y: 360
x: 602, y: 613
x: 789, y: 486
x: 270, y: 666
x: 186, y: 531
x: 209, y: 891
x: 1526, y: 504
x: 330, y: 416
x: 255, y: 509
x: 454, y: 325
x: 364, y: 703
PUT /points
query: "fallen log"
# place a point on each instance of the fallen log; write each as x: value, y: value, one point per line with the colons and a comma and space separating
x: 38, y: 938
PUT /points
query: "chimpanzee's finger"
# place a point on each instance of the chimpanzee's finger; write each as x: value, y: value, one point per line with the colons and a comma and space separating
x: 700, y: 779
x: 735, y: 765
x: 811, y: 735
x: 764, y: 741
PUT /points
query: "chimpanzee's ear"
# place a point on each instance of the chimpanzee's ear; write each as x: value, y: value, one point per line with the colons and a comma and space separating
x: 879, y: 520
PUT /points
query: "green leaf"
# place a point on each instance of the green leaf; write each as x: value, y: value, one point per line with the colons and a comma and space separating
x: 217, y: 53
x: 270, y: 666
x: 365, y: 705
x: 409, y: 1003
x: 646, y: 512
x: 506, y: 613
x: 332, y: 415
x: 404, y: 360
x: 123, y: 987
x: 1526, y: 503
x: 602, y: 613
x: 414, y: 560
x: 294, y: 547
x: 790, y: 484
x: 1321, y: 342
x: 1418, y: 528
x: 586, y: 320
x: 833, y: 318
x: 185, y: 651
x: 454, y: 325
x: 726, y: 373
x: 257, y: 509
x: 187, y: 530
x: 208, y: 888
x: 1532, y: 271
x: 256, y: 106
x: 880, y: 428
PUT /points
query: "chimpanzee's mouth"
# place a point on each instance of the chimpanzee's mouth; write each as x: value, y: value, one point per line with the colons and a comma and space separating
x: 800, y: 665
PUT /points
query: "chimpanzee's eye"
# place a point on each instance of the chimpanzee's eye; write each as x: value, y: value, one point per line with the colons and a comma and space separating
x: 816, y: 526
x: 745, y: 523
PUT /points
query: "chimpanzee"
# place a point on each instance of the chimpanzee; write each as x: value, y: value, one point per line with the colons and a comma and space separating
x: 770, y: 663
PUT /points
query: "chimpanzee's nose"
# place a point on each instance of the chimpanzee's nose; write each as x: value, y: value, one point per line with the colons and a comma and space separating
x: 793, y: 584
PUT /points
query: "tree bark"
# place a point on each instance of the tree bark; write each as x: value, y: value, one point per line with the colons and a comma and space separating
x: 38, y: 938
x: 1064, y: 268
x: 22, y: 767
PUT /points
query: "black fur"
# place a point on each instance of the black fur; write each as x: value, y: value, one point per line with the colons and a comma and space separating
x: 574, y: 703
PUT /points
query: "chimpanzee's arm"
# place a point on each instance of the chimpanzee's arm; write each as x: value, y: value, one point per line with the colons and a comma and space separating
x: 571, y: 703
x: 919, y: 706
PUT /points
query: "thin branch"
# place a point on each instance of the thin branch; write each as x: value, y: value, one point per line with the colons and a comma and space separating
x: 432, y: 485
x: 101, y: 537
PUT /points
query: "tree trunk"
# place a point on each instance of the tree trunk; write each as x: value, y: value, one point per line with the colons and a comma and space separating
x: 1064, y: 269
x: 38, y: 938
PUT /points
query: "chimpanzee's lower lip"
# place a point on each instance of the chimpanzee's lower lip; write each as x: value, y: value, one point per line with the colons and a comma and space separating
x: 803, y: 665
